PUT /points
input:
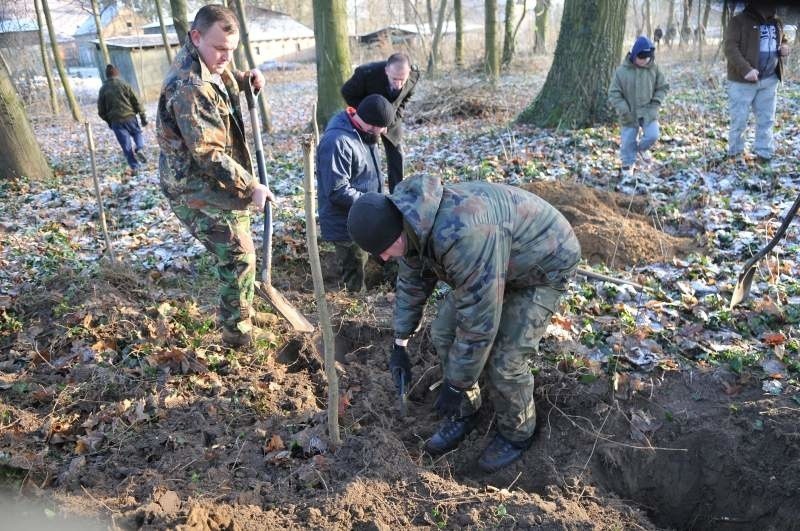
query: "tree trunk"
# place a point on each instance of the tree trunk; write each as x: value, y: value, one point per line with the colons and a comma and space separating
x: 491, y: 59
x: 333, y: 56
x: 433, y: 58
x: 648, y: 21
x: 51, y: 84
x: 459, y: 16
x: 686, y: 28
x: 62, y: 72
x: 589, y: 47
x: 706, y: 14
x: 244, y: 31
x: 22, y: 155
x: 508, y: 35
x: 167, y: 47
x: 100, y: 38
x: 540, y: 37
x: 180, y: 19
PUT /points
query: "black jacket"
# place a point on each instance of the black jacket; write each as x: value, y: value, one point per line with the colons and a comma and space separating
x: 371, y: 78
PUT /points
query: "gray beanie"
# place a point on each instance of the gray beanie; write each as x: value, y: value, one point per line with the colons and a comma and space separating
x: 374, y: 222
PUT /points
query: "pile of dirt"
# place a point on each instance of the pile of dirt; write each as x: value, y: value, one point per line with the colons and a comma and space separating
x: 614, y: 229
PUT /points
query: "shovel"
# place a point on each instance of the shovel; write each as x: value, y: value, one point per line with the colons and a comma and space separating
x: 745, y: 280
x: 265, y: 289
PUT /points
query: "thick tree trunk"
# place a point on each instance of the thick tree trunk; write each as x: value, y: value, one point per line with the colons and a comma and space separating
x: 491, y: 59
x: 540, y: 36
x: 244, y: 31
x: 51, y: 84
x: 22, y: 155
x: 589, y: 47
x: 180, y: 19
x: 62, y: 71
x: 100, y: 38
x: 433, y: 58
x: 333, y: 56
x: 459, y: 16
x: 167, y: 47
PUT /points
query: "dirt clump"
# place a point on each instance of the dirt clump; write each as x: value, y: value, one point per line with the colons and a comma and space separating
x: 614, y: 229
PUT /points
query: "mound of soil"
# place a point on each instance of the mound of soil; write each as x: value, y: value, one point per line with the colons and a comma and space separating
x: 614, y: 229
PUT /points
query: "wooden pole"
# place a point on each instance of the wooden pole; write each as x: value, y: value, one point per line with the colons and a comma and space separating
x: 97, y: 193
x: 319, y: 293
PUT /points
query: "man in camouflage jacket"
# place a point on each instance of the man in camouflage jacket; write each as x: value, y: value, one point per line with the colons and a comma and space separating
x: 507, y: 255
x: 205, y: 166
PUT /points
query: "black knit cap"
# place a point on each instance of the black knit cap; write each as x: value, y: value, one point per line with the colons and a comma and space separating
x: 374, y: 222
x: 376, y: 110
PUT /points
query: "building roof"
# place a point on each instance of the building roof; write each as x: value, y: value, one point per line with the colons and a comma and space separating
x: 87, y: 27
x: 15, y: 25
x: 139, y: 41
x: 264, y: 25
x: 421, y: 29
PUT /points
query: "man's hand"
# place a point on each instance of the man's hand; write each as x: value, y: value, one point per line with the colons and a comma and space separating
x: 143, y: 119
x: 784, y: 50
x: 752, y: 75
x: 400, y: 368
x: 449, y: 401
x: 261, y: 194
x: 257, y: 79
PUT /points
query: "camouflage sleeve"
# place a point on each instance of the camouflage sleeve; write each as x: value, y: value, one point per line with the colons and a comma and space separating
x: 203, y: 130
x: 412, y: 292
x: 477, y: 265
x: 137, y: 106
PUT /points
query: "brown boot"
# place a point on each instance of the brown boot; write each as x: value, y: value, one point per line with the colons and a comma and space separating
x: 236, y: 339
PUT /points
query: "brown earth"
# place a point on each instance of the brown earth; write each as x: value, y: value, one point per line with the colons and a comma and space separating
x: 614, y: 229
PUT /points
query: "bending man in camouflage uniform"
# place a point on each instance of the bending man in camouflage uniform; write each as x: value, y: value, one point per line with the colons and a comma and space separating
x: 205, y: 166
x: 507, y: 254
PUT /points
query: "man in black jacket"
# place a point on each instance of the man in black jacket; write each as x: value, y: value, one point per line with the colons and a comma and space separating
x: 118, y: 106
x: 394, y: 79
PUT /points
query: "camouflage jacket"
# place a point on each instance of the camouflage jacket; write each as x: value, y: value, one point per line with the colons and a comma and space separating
x: 117, y: 102
x: 204, y: 157
x: 481, y: 239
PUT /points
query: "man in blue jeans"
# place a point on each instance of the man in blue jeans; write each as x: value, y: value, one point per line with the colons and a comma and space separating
x: 118, y: 106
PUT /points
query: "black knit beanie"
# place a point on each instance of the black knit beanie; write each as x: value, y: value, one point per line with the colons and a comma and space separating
x: 376, y: 110
x: 374, y: 222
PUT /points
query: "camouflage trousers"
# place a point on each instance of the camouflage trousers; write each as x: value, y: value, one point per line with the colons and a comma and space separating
x: 352, y: 262
x: 226, y: 234
x: 524, y: 319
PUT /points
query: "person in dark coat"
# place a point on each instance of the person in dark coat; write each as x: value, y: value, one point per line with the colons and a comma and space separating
x: 118, y: 106
x: 657, y: 35
x: 348, y: 165
x: 395, y: 80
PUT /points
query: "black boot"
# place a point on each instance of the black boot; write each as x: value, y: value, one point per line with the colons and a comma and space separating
x: 450, y: 433
x: 501, y: 452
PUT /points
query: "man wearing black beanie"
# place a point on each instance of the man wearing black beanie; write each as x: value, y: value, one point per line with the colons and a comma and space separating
x: 348, y: 165
x: 507, y: 255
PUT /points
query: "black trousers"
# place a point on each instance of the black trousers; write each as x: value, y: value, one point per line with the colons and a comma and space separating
x: 394, y: 162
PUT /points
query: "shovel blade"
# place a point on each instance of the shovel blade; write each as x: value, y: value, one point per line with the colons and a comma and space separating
x: 742, y: 289
x: 292, y: 315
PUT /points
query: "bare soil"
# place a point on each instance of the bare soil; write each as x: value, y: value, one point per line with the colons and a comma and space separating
x: 614, y: 229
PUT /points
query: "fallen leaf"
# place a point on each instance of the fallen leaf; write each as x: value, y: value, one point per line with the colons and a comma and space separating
x: 275, y: 443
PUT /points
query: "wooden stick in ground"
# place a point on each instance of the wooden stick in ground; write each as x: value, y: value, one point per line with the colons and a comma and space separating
x: 319, y: 292
x: 97, y: 193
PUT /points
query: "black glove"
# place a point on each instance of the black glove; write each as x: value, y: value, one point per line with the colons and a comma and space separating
x: 143, y: 119
x: 449, y: 401
x: 400, y: 367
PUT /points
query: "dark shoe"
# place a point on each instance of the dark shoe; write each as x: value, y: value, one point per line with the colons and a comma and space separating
x: 140, y: 156
x: 450, y: 433
x: 501, y: 452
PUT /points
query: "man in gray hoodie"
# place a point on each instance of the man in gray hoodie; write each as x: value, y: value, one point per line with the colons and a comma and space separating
x: 348, y: 166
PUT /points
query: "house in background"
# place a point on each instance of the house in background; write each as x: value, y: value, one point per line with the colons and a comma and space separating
x: 142, y: 61
x: 115, y: 22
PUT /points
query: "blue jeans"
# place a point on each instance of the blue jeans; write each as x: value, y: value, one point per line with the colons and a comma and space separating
x: 630, y: 144
x: 124, y: 131
x: 760, y: 97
